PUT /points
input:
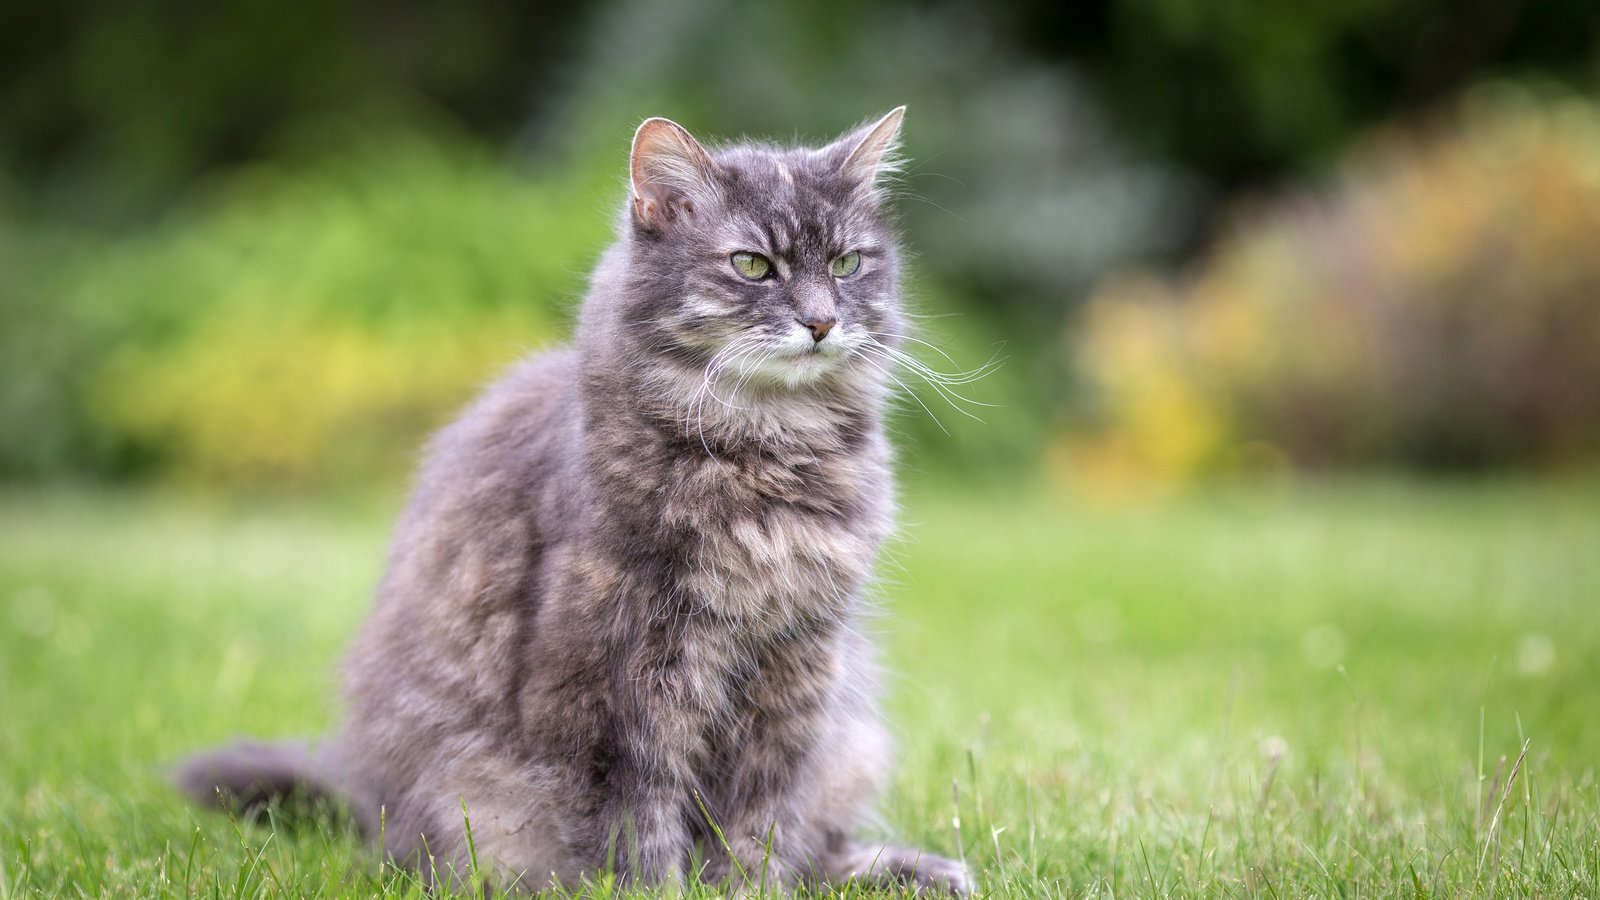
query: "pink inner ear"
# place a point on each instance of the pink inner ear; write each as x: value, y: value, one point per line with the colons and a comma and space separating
x: 661, y: 208
x: 667, y: 166
x: 866, y: 157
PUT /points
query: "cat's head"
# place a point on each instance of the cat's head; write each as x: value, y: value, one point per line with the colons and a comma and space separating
x: 774, y: 264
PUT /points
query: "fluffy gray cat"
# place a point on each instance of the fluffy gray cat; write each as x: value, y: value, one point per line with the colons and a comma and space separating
x: 625, y: 600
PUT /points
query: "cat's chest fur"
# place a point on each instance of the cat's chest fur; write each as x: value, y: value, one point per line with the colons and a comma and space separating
x: 766, y: 532
x: 771, y: 539
x: 761, y: 550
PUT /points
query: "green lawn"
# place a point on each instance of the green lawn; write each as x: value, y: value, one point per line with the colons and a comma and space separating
x: 1317, y: 693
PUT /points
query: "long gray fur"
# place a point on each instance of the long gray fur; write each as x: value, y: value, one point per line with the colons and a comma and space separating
x: 625, y: 600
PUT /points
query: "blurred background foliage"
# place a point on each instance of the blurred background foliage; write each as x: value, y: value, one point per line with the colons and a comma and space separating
x: 275, y: 243
x: 1435, y: 306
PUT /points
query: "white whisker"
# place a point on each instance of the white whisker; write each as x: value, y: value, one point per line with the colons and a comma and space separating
x: 869, y: 360
x: 942, y: 383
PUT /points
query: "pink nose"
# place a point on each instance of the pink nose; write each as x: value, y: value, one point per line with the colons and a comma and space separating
x: 820, y: 328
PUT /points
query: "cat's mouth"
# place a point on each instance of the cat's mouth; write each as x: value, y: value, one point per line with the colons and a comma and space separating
x: 792, y: 363
x: 814, y: 355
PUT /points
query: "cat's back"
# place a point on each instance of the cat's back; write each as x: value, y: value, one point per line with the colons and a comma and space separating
x: 503, y: 463
x: 496, y: 489
x: 511, y: 441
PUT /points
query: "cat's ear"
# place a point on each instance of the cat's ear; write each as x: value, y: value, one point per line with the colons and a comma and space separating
x: 868, y: 153
x: 670, y: 172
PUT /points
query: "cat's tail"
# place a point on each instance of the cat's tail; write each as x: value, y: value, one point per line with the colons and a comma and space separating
x: 247, y: 776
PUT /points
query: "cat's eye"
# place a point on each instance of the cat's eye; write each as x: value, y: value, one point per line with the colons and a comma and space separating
x: 846, y: 265
x: 753, y: 266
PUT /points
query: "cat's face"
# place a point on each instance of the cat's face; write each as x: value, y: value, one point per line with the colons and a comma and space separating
x: 775, y: 267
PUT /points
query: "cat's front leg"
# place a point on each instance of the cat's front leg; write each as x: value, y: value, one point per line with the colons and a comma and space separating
x: 648, y: 837
x: 649, y: 842
x: 645, y: 791
x: 756, y: 853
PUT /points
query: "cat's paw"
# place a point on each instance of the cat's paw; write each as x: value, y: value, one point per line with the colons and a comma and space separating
x: 937, y: 874
x: 926, y: 873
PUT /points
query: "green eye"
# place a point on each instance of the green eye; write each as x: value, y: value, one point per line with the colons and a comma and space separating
x: 753, y: 266
x: 846, y: 265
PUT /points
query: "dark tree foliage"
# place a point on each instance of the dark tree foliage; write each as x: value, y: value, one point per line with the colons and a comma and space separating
x: 137, y: 98
x: 1245, y: 90
x: 131, y: 100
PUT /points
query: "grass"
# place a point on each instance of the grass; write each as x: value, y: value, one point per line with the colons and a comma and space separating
x: 1323, y: 692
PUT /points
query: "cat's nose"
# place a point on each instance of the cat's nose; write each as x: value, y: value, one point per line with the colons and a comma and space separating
x: 819, y: 327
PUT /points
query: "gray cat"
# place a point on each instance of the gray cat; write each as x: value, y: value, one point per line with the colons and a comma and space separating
x: 625, y: 601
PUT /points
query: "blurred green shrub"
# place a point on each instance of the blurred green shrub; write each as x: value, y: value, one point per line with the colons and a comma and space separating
x: 45, y: 348
x: 302, y: 324
x: 1438, y: 307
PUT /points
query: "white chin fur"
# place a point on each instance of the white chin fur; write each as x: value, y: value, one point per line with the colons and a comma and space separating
x: 761, y: 394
